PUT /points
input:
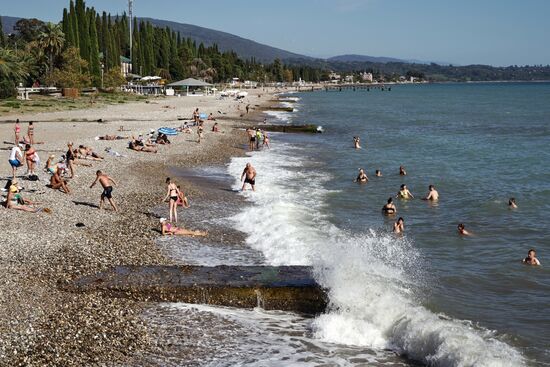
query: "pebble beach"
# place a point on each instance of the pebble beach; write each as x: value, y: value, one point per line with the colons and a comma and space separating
x: 41, y: 324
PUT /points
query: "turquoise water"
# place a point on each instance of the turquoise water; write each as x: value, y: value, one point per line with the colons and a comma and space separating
x: 479, y: 144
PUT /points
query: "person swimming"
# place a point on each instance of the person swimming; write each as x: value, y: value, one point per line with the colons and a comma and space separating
x: 378, y: 173
x: 399, y: 226
x: 433, y: 195
x: 356, y: 142
x: 404, y: 193
x: 402, y: 171
x: 462, y: 230
x: 531, y: 258
x: 512, y: 203
x: 389, y: 208
x: 362, y: 176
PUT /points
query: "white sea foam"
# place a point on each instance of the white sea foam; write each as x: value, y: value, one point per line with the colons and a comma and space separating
x: 372, y: 278
x: 279, y: 116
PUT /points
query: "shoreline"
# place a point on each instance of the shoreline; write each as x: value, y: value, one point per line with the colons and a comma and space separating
x: 42, y: 325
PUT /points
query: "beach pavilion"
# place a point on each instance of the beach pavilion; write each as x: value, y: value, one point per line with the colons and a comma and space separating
x: 191, y: 83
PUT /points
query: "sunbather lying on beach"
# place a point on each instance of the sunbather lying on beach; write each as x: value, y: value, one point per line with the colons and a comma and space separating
x: 88, y: 153
x: 141, y: 148
x: 111, y: 137
x: 169, y: 229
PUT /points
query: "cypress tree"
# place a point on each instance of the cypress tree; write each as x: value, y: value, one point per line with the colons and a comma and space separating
x: 73, y: 21
x: 65, y: 25
x: 84, y: 30
x: 95, y: 65
x: 2, y: 36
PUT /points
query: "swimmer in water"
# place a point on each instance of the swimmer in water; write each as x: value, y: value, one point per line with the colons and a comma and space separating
x: 399, y: 226
x: 402, y: 171
x: 512, y: 203
x: 462, y: 230
x: 404, y: 193
x: 531, y: 258
x: 433, y: 195
x: 378, y: 173
x: 362, y: 176
x: 389, y: 208
x: 356, y: 141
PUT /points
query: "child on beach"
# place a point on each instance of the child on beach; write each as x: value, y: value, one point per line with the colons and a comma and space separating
x: 399, y: 226
x: 182, y: 199
x: 105, y: 182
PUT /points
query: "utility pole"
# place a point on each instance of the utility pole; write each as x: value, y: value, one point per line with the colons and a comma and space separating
x: 130, y: 13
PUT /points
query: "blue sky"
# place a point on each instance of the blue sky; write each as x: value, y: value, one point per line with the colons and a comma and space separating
x: 496, y: 32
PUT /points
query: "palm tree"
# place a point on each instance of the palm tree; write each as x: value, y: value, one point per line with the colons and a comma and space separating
x: 10, y: 66
x: 51, y: 40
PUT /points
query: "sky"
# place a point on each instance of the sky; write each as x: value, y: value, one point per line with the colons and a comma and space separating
x: 461, y: 32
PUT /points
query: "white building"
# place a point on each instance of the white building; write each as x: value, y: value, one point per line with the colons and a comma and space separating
x: 366, y: 77
x: 334, y: 76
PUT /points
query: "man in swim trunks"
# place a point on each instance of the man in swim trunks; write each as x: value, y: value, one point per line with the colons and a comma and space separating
x: 531, y: 258
x: 105, y: 182
x: 251, y: 134
x: 249, y: 175
x: 389, y: 208
x: 16, y: 158
x: 404, y: 193
x: 433, y: 195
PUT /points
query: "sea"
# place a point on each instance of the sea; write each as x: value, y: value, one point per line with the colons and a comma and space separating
x: 428, y: 297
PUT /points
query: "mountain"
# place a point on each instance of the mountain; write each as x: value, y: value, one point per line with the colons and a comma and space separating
x: 245, y: 48
x: 363, y: 58
x: 8, y: 23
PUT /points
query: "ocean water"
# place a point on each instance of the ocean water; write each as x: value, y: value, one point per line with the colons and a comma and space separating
x: 428, y: 297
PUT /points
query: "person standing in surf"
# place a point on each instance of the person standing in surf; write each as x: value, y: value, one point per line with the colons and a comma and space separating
x: 399, y: 226
x: 389, y: 208
x: 356, y: 142
x: 404, y: 193
x: 249, y: 175
x: 172, y: 194
x: 433, y: 195
x: 362, y: 176
x: 107, y: 183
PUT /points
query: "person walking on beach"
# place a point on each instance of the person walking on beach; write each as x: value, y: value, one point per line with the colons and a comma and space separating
x: 249, y: 175
x: 70, y: 158
x: 107, y: 183
x: 247, y: 108
x: 399, y: 226
x: 17, y: 131
x: 433, y: 195
x: 258, y: 138
x: 404, y: 193
x: 30, y: 133
x: 199, y: 132
x: 531, y: 258
x: 16, y: 158
x: 172, y: 194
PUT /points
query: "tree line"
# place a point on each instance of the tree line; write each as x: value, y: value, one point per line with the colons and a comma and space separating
x: 87, y: 45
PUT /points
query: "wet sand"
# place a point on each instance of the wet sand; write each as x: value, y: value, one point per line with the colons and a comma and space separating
x: 39, y: 323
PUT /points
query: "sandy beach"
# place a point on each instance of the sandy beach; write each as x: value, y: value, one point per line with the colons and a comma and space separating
x: 43, y: 325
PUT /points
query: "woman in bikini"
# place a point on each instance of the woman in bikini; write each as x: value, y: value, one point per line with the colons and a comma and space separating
x: 171, y: 230
x: 30, y: 132
x: 17, y: 130
x: 172, y: 195
x: 30, y: 157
